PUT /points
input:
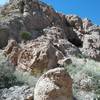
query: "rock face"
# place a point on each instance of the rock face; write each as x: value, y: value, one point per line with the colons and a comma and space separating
x: 54, y: 36
x: 91, y: 44
x: 36, y: 16
x: 12, y: 51
x: 10, y: 46
x: 55, y: 84
x: 86, y: 24
x: 74, y: 21
x: 55, y: 40
x: 41, y: 19
x: 40, y: 55
x: 43, y: 52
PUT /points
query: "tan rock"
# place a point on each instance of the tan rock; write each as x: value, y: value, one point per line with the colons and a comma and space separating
x: 12, y: 51
x: 55, y: 84
x: 11, y: 43
x: 13, y: 56
x: 38, y: 57
x: 65, y: 61
x: 42, y: 53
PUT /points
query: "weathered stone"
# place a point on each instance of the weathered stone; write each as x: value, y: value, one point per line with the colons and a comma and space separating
x: 17, y: 93
x: 12, y: 51
x: 65, y: 62
x: 11, y: 43
x: 55, y: 84
x: 56, y: 39
x: 13, y: 56
x: 74, y: 21
x: 38, y: 56
x: 86, y: 24
x: 91, y: 45
x: 44, y: 52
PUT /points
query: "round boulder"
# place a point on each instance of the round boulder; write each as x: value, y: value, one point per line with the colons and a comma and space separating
x: 55, y: 84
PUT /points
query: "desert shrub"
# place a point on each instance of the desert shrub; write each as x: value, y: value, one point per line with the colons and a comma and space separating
x: 7, y: 77
x: 25, y: 35
x: 10, y: 77
x: 29, y: 78
x: 86, y: 78
x: 26, y: 78
x: 3, y: 30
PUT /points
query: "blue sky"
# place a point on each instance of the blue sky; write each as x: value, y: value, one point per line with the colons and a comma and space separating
x: 3, y: 2
x: 83, y: 8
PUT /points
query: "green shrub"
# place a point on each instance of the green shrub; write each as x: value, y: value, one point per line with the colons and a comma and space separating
x: 25, y: 35
x: 7, y: 77
x: 10, y: 77
x: 26, y: 78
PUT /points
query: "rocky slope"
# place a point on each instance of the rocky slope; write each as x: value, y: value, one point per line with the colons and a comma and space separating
x: 38, y: 39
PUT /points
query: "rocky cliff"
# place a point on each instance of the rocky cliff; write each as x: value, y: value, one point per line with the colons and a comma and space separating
x: 35, y: 38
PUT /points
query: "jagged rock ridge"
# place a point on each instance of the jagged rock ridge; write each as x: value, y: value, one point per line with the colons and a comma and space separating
x: 55, y: 37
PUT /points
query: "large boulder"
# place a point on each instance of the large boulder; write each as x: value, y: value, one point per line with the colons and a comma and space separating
x: 55, y: 84
x: 38, y: 56
x: 44, y: 54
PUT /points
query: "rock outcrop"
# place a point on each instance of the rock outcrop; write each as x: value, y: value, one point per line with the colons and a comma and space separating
x: 11, y: 44
x: 12, y: 51
x: 54, y: 36
x: 54, y: 41
x: 36, y: 16
x: 42, y: 53
x: 55, y: 84
x: 75, y: 21
x: 91, y: 44
x: 86, y: 24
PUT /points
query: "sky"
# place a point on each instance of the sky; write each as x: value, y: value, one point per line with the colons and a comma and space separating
x: 82, y: 8
x: 3, y: 2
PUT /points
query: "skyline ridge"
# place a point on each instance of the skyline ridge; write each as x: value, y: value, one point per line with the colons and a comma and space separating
x: 83, y: 8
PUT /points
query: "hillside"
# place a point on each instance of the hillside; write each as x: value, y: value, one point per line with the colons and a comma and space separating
x: 46, y: 55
